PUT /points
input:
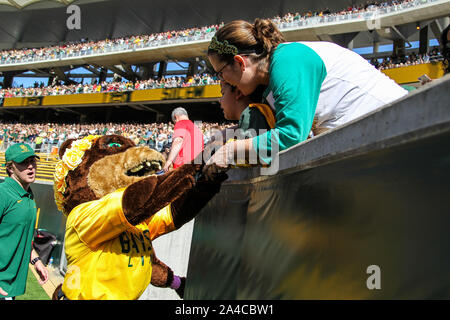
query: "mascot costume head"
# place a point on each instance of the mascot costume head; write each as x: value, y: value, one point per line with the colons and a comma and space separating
x: 115, y: 206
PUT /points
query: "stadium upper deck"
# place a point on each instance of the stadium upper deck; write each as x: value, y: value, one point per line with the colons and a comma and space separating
x: 333, y: 27
x: 35, y: 23
x: 393, y: 20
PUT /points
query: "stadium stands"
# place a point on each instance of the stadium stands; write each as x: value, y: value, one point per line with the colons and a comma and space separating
x: 288, y: 23
x: 174, y: 82
x: 413, y: 59
x: 148, y: 90
x: 410, y: 73
x: 46, y: 138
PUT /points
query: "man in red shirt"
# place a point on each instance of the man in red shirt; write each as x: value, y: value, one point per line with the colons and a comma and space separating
x: 187, y: 140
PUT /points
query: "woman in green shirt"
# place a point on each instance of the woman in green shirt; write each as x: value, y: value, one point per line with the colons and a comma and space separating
x: 304, y: 81
x: 243, y: 55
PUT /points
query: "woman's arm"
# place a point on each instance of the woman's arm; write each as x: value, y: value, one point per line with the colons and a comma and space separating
x: 296, y: 77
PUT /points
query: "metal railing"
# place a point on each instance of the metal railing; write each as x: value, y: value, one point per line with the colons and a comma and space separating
x: 371, y: 13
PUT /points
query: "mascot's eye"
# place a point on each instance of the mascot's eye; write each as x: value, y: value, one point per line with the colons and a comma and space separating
x: 113, y: 145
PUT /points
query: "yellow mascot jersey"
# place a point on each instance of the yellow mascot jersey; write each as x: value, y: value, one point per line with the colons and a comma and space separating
x: 107, y: 257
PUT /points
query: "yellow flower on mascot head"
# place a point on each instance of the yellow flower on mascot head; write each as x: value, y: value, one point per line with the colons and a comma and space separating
x: 71, y: 159
x: 60, y: 174
x: 59, y: 200
x: 83, y: 144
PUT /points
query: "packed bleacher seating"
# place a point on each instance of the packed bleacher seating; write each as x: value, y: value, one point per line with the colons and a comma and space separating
x: 47, y: 137
x: 86, y: 47
x: 412, y: 59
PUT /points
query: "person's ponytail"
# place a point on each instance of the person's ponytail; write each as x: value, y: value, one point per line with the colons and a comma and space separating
x: 258, y: 41
x: 268, y: 35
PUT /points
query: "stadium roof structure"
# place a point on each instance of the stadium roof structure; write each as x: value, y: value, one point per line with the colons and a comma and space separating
x: 36, y: 23
x: 38, y: 4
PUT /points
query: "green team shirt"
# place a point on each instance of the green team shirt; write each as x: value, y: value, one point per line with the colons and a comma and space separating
x: 296, y: 74
x: 17, y: 222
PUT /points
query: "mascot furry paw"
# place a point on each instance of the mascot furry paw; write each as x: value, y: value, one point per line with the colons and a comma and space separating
x: 115, y: 207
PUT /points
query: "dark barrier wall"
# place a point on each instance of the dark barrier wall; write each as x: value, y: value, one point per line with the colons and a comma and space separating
x: 374, y: 193
x: 49, y: 217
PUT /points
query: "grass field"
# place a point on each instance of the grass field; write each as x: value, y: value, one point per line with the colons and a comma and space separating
x: 34, y: 291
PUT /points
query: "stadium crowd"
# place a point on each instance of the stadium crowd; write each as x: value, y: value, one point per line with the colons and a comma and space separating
x: 87, y: 46
x: 412, y: 59
x: 326, y: 15
x: 113, y: 86
x: 39, y: 89
x: 44, y: 137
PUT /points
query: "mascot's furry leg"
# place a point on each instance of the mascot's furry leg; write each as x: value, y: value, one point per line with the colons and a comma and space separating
x: 163, y: 276
x: 187, y: 192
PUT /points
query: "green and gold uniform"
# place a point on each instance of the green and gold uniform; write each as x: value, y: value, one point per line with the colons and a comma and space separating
x: 17, y: 222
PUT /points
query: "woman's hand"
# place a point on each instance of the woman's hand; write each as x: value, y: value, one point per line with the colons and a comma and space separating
x: 220, y: 161
x: 237, y: 152
x: 223, y: 157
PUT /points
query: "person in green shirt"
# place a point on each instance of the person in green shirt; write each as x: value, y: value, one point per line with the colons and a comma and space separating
x: 39, y: 140
x: 17, y: 222
x: 254, y: 119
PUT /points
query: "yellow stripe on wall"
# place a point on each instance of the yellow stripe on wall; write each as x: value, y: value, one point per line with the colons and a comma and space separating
x: 84, y: 98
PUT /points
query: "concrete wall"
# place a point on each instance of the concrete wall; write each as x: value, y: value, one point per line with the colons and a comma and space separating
x: 173, y: 249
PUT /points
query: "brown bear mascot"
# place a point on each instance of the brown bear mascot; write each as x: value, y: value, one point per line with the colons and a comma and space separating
x: 115, y: 206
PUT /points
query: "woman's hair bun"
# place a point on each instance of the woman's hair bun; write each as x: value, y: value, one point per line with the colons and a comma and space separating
x: 267, y: 33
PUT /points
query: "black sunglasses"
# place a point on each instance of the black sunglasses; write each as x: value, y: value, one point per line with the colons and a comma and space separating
x: 218, y: 74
